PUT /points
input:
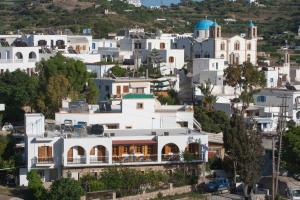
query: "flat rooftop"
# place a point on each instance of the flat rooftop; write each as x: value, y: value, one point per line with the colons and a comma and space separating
x: 121, y: 133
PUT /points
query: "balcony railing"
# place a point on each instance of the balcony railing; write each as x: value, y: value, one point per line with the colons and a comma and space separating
x: 80, y: 160
x: 185, y: 157
x: 42, y: 160
x: 98, y: 160
x: 170, y: 157
x: 45, y: 160
x: 134, y: 158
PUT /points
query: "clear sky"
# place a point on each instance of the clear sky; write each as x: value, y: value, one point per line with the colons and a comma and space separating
x: 158, y: 2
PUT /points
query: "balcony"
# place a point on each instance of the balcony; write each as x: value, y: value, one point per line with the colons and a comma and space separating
x: 170, y: 157
x: 43, y: 161
x: 76, y: 161
x: 99, y: 160
x: 134, y: 158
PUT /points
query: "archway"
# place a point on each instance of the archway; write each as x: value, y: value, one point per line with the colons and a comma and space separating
x: 76, y: 155
x: 170, y: 152
x: 32, y: 55
x: 19, y: 56
x: 42, y: 43
x: 98, y: 154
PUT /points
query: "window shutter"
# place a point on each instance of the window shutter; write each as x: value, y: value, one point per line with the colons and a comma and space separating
x: 80, y: 151
x: 70, y: 155
x: 92, y: 151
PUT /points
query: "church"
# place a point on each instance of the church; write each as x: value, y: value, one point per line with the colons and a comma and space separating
x: 207, y: 42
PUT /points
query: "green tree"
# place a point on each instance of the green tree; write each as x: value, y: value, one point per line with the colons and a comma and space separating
x: 171, y: 99
x: 57, y: 89
x: 92, y: 92
x: 209, y: 99
x: 248, y: 78
x: 243, y: 146
x: 118, y: 71
x: 61, y: 77
x: 291, y: 149
x: 66, y: 189
x: 17, y: 90
x: 35, y: 186
x: 213, y: 121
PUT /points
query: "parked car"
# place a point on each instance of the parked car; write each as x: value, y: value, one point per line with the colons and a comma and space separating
x: 7, y: 127
x: 218, y: 184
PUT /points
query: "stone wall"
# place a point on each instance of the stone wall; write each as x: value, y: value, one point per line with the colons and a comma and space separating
x: 151, y: 195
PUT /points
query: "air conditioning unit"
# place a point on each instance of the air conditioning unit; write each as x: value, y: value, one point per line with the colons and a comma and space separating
x: 166, y: 133
x: 106, y: 134
x: 153, y: 133
x: 112, y: 134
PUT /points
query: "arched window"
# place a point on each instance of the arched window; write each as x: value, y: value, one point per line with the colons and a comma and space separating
x: 249, y: 46
x: 162, y: 45
x: 60, y: 44
x: 237, y: 46
x: 42, y: 43
x: 98, y: 154
x: 171, y: 59
x: 32, y: 55
x: 298, y: 115
x: 19, y: 56
x: 222, y: 46
x: 76, y: 155
x: 248, y: 58
x: 222, y: 56
x: 170, y: 152
x: 254, y: 32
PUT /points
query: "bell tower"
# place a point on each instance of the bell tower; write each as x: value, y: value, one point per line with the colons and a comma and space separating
x: 215, y: 31
x: 252, y: 30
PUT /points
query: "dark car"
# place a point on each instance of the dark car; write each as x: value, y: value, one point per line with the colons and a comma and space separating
x: 218, y: 184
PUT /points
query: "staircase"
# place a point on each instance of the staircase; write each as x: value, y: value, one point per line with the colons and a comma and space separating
x: 197, y: 125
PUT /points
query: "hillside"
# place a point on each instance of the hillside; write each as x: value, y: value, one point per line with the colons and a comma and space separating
x: 39, y: 15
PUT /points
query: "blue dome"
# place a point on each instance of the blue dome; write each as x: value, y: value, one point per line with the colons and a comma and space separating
x: 251, y: 23
x: 203, y: 24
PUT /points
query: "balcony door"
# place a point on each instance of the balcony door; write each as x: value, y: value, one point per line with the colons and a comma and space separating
x: 44, y: 153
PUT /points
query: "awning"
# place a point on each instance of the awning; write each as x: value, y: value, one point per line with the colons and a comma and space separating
x: 139, y: 85
x: 133, y: 142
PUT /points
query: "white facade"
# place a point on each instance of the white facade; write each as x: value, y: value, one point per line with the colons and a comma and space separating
x: 136, y: 111
x: 170, y: 58
x: 23, y: 58
x: 272, y: 98
x: 59, y: 152
x: 110, y: 88
x: 207, y: 42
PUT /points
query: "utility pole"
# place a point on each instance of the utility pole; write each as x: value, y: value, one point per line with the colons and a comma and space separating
x: 273, y: 168
x: 281, y: 129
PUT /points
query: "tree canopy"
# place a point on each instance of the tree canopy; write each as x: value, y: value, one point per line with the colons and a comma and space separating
x: 291, y: 149
x: 243, y: 145
x: 118, y: 71
x: 17, y: 90
x: 61, y: 77
x: 213, y: 121
x: 66, y: 189
x: 246, y: 77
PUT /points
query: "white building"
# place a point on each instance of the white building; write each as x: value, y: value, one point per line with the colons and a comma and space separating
x: 23, y: 58
x: 159, y: 48
x: 115, y: 88
x: 271, y: 99
x: 74, y: 151
x: 136, y: 3
x: 135, y: 111
x: 208, y: 42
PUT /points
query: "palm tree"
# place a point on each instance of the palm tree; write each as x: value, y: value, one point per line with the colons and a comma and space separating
x: 209, y: 99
